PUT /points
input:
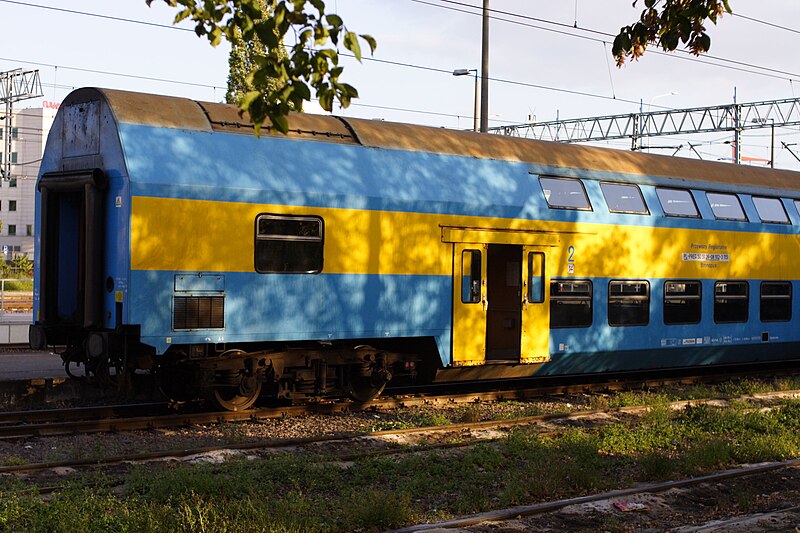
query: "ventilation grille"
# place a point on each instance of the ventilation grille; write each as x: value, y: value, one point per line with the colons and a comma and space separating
x: 199, y: 312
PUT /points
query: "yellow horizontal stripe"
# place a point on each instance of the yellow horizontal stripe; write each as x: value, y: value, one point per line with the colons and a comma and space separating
x: 200, y: 235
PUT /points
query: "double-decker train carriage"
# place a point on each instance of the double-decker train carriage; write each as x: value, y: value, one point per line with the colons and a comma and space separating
x: 350, y: 252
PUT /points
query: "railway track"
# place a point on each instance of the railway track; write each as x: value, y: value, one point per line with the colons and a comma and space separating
x: 467, y: 436
x: 650, y: 488
x: 53, y: 422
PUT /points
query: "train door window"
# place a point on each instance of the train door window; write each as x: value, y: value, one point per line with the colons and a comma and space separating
x: 682, y: 302
x: 288, y: 244
x: 570, y: 304
x: 770, y: 210
x: 471, y: 276
x: 726, y: 206
x: 535, y: 277
x: 624, y: 198
x: 628, y: 303
x: 776, y: 301
x: 565, y: 193
x: 677, y: 202
x: 731, y: 301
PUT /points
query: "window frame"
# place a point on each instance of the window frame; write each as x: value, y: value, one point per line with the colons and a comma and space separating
x: 623, y: 298
x: 780, y: 203
x: 540, y: 298
x: 571, y: 208
x: 676, y: 215
x: 555, y: 299
x: 474, y: 295
x: 738, y: 202
x: 698, y: 297
x: 774, y: 297
x: 646, y: 209
x: 718, y: 297
x: 319, y: 240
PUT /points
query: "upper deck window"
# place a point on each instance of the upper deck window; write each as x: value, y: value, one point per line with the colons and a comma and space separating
x: 565, y: 193
x: 677, y: 203
x: 770, y: 210
x: 288, y: 244
x: 726, y: 206
x: 624, y: 198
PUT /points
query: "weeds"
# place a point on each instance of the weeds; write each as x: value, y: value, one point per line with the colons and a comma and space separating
x: 318, y: 495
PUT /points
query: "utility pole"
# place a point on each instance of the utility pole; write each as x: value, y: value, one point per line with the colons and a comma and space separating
x: 15, y: 85
x: 485, y: 70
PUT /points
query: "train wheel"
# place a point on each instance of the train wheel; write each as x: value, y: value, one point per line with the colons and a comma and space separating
x: 237, y: 398
x: 362, y: 389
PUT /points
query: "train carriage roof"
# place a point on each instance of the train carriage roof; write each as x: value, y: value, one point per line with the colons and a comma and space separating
x: 187, y: 114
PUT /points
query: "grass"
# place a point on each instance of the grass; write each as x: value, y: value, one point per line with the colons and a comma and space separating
x: 313, y: 494
x: 18, y: 285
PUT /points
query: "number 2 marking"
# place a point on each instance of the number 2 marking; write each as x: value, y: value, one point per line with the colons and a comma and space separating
x: 571, y: 251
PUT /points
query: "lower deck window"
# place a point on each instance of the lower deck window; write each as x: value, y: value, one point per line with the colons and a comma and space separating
x: 776, y: 301
x: 731, y: 301
x: 682, y: 302
x: 628, y: 303
x: 570, y: 304
x: 288, y: 244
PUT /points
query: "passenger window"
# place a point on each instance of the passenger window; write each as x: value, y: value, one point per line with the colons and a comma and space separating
x: 288, y: 244
x: 682, y: 302
x: 570, y: 304
x: 471, y: 276
x: 731, y: 300
x: 628, y: 303
x: 624, y: 198
x: 565, y: 193
x: 535, y: 277
x: 770, y: 210
x: 776, y: 301
x: 677, y: 203
x: 726, y: 206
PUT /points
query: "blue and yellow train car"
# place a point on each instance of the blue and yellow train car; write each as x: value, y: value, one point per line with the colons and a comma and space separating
x: 351, y: 252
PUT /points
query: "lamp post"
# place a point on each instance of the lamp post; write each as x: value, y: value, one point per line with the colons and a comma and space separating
x: 641, y: 122
x: 466, y: 72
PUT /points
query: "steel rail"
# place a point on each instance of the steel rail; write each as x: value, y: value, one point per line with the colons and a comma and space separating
x: 77, y: 413
x: 541, y: 508
x: 60, y: 426
x: 341, y: 437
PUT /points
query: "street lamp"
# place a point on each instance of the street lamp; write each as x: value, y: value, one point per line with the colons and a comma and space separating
x: 772, y: 143
x: 642, y: 121
x: 466, y: 72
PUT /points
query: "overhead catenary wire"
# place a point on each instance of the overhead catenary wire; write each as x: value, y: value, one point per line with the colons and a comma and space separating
x: 684, y: 55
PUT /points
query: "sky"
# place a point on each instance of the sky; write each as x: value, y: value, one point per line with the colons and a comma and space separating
x: 548, y: 59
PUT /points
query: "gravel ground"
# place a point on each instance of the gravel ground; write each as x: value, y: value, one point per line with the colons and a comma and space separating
x: 96, y: 446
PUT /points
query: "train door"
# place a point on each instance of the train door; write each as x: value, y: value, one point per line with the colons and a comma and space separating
x: 503, y: 310
x: 500, y: 307
x: 469, y: 304
x: 535, y: 334
x: 71, y: 231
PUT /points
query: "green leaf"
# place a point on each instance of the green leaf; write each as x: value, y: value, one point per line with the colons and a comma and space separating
x: 373, y: 44
x: 352, y: 44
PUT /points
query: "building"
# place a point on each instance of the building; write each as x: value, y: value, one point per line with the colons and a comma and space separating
x: 28, y: 132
